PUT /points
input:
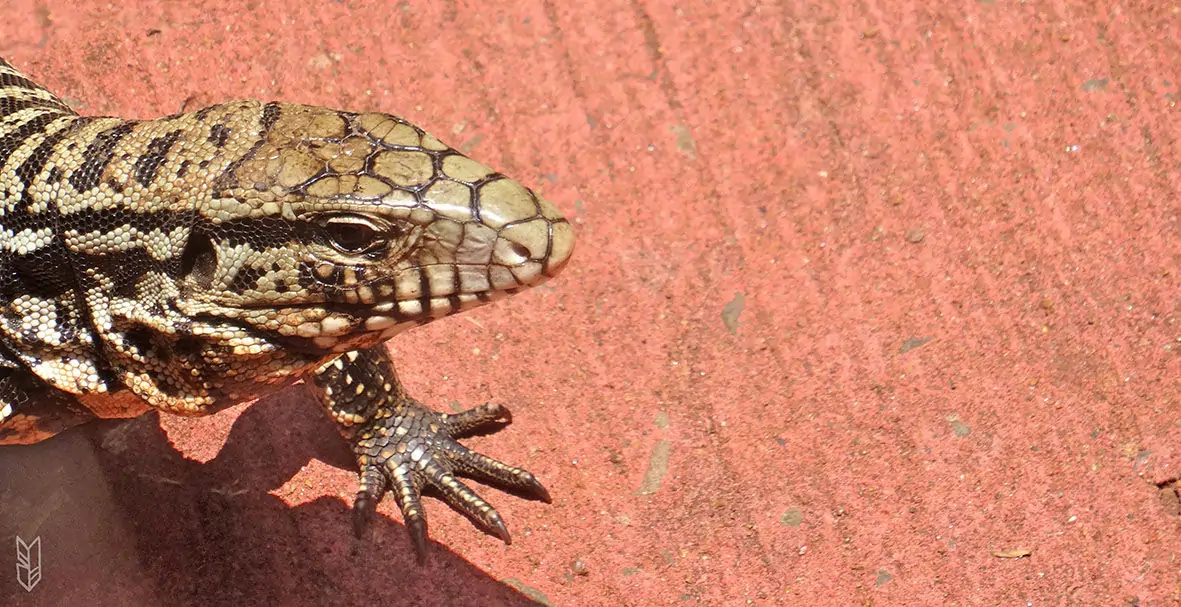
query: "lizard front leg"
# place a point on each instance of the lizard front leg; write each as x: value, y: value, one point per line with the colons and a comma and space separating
x: 402, y: 446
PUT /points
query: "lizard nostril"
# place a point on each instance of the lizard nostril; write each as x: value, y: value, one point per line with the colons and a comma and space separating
x: 521, y: 251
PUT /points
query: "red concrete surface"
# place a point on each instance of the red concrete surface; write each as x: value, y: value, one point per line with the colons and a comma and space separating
x: 866, y: 295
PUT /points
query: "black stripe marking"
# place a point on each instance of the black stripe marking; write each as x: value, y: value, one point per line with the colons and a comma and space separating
x: 9, y: 143
x: 258, y: 232
x: 246, y: 279
x: 156, y: 153
x: 270, y: 115
x: 119, y: 216
x: 123, y: 268
x: 202, y: 113
x: 68, y: 331
x: 39, y: 274
x: 12, y: 105
x: 218, y: 134
x: 9, y: 80
x: 424, y: 300
x: 31, y: 168
x: 97, y: 156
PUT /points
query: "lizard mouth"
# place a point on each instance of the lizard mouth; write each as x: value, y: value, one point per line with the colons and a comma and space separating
x: 357, y: 305
x: 311, y: 327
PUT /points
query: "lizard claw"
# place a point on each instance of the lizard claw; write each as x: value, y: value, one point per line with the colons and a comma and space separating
x: 417, y: 447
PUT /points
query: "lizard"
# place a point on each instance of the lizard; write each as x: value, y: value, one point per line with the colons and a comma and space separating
x: 204, y: 259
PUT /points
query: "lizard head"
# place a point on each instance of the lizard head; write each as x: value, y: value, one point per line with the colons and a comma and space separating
x: 232, y: 249
x: 339, y: 230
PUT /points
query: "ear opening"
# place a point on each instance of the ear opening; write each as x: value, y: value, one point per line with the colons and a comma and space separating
x: 198, y: 260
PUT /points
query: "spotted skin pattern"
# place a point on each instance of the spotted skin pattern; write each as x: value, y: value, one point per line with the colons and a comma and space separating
x: 200, y: 260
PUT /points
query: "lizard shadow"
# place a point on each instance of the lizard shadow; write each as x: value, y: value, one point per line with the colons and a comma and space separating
x: 212, y: 533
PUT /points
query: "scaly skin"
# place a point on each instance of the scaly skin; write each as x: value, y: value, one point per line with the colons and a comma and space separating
x: 199, y: 260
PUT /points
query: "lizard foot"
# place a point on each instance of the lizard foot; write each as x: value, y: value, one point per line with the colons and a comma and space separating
x: 403, y: 447
x: 413, y: 447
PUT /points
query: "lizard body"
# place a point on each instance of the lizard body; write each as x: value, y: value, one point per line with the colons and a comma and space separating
x: 199, y: 260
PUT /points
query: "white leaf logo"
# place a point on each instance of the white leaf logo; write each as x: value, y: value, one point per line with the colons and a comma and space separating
x: 28, y: 563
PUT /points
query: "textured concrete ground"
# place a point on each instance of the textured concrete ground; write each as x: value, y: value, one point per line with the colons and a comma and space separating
x: 870, y: 300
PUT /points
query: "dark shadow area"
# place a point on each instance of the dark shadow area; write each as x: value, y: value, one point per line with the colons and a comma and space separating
x: 125, y: 519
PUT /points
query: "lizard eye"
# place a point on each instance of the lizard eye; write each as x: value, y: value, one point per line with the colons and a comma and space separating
x: 354, y: 235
